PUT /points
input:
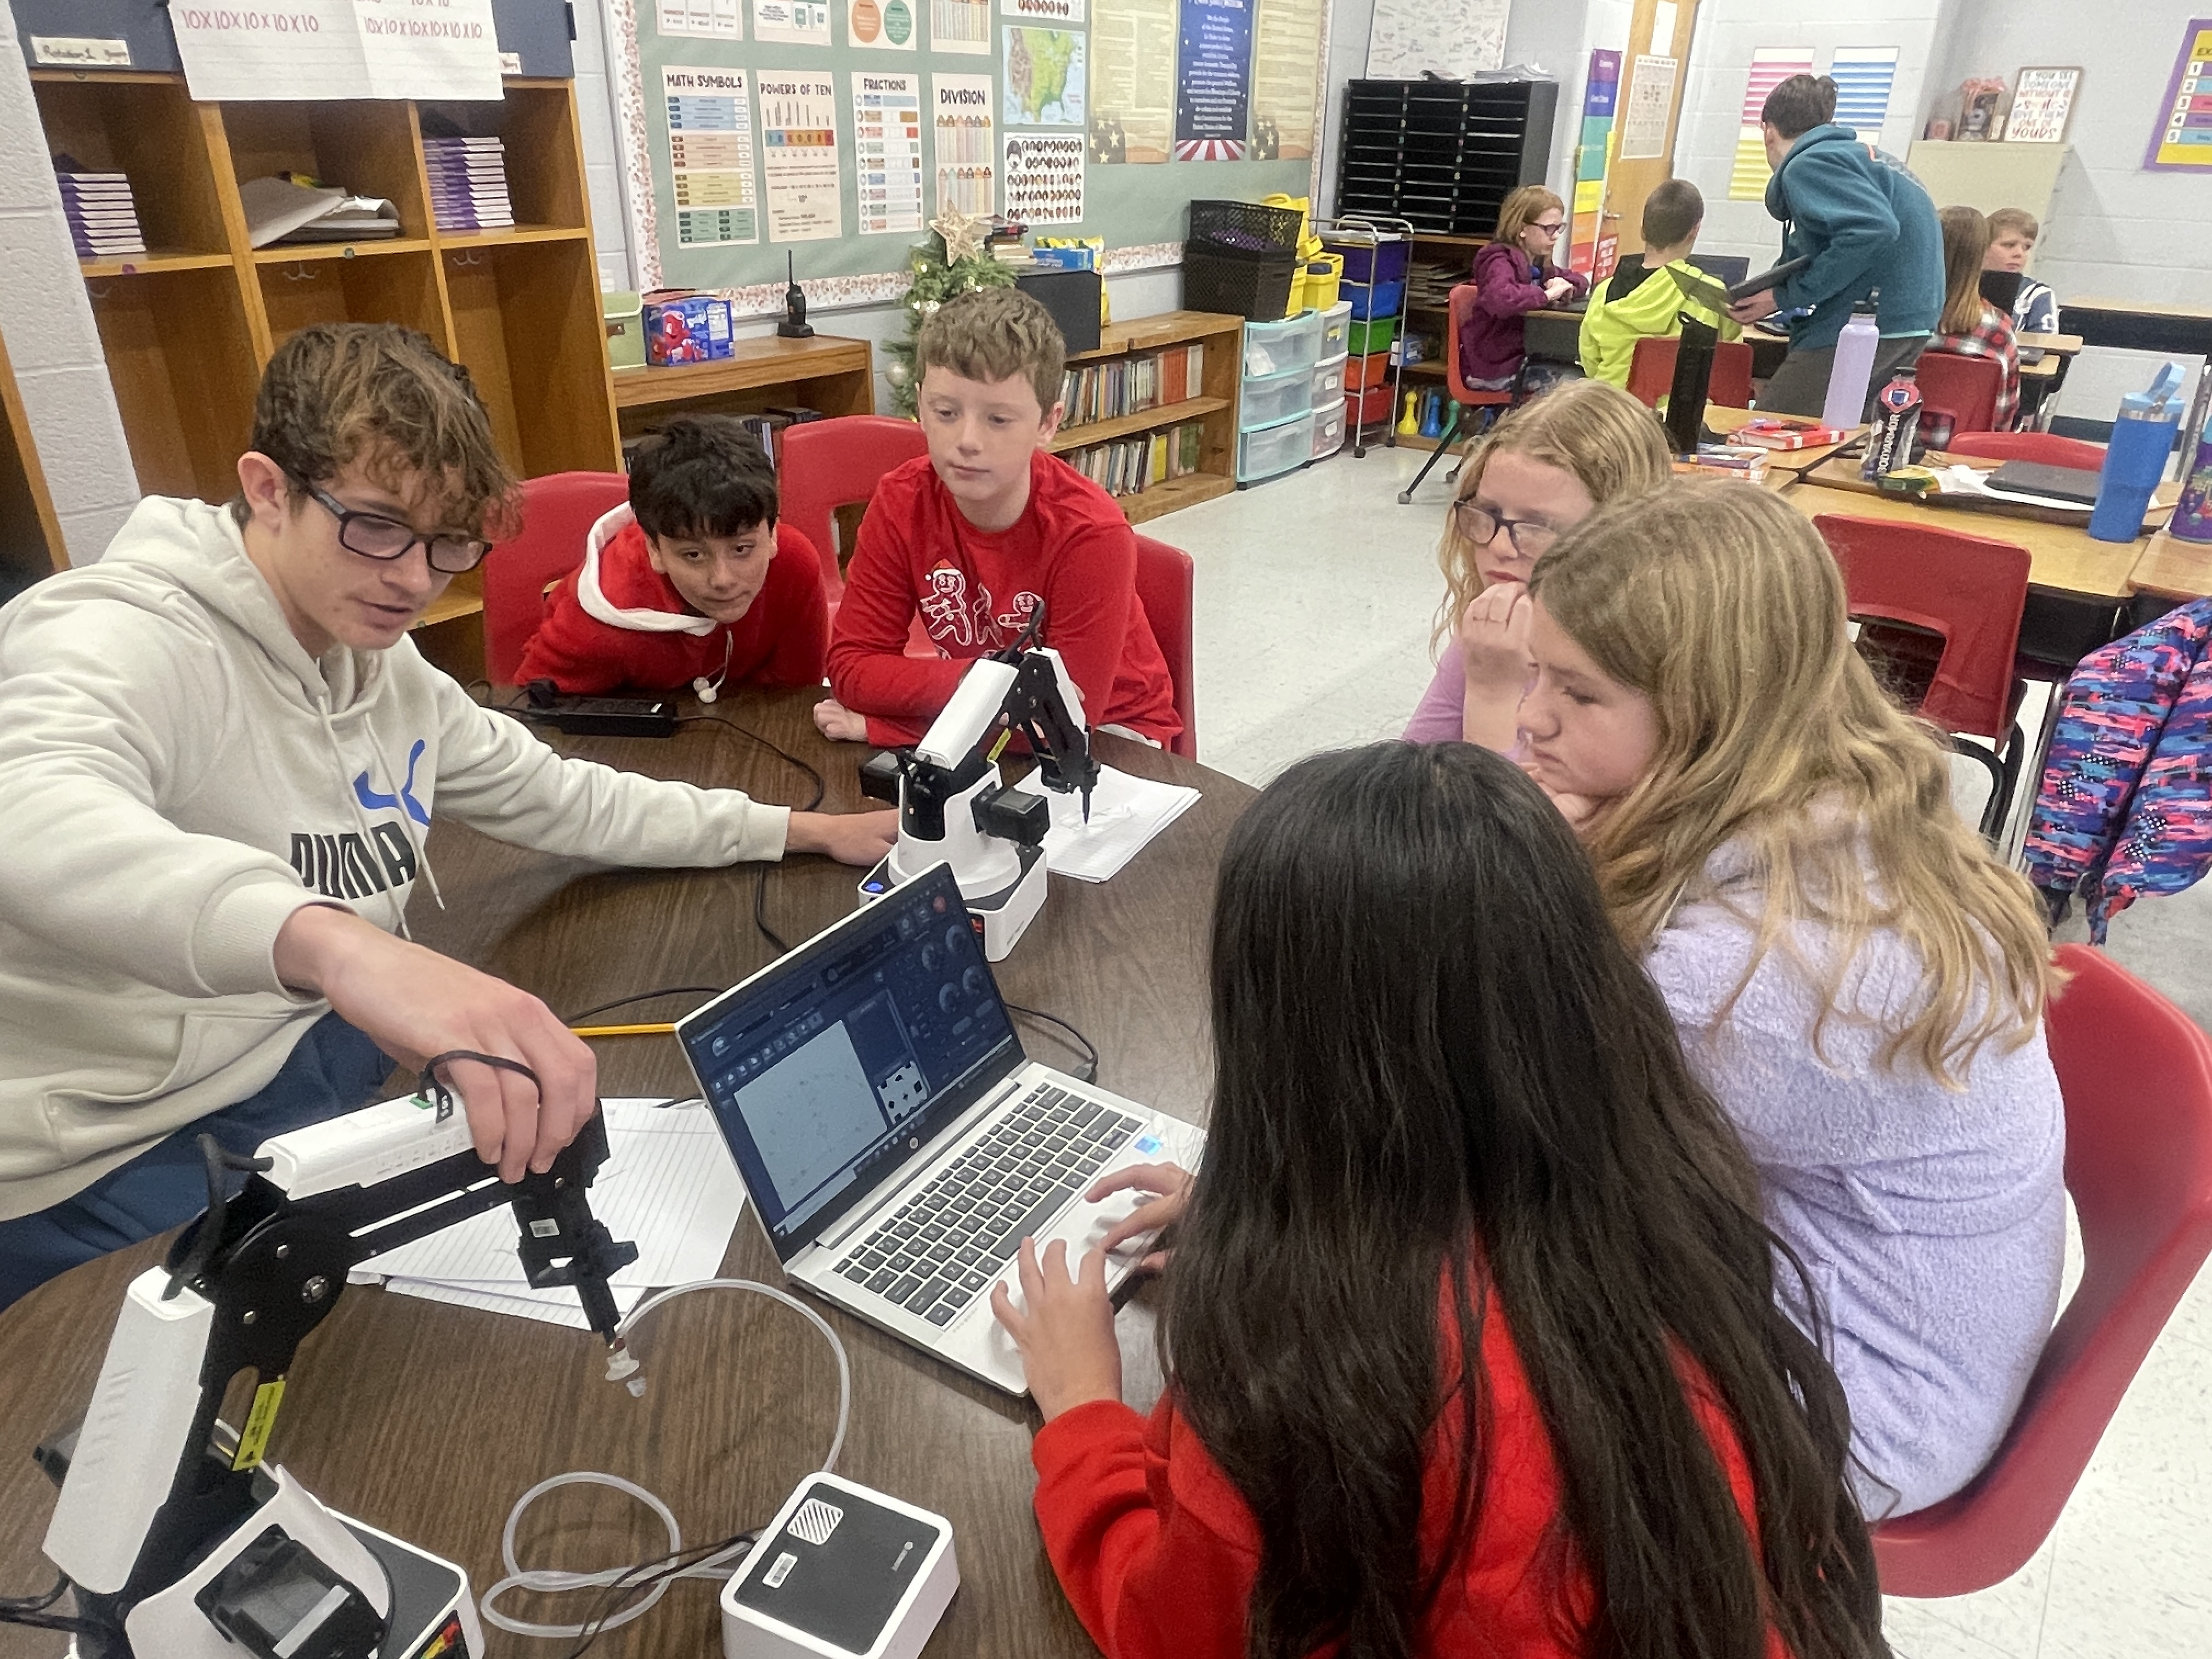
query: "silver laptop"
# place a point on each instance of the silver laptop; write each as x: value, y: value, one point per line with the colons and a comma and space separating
x: 897, y: 1142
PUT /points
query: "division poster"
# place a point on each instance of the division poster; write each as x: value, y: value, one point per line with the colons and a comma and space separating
x: 1044, y: 78
x: 1286, y: 50
x: 709, y: 20
x: 1213, y: 79
x: 793, y: 22
x: 1133, y: 57
x: 963, y: 27
x: 1770, y: 67
x: 967, y: 154
x: 2183, y: 138
x: 710, y: 156
x: 798, y: 153
x: 887, y: 151
x: 1044, y: 179
x: 888, y: 24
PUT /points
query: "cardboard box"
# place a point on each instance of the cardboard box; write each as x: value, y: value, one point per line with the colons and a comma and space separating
x: 686, y: 325
x: 623, y: 312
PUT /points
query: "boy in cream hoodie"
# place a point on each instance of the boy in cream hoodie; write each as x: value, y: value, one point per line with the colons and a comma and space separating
x: 219, y: 755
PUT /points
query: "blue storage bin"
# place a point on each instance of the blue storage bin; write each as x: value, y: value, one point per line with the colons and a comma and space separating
x: 1384, y: 262
x: 1376, y: 299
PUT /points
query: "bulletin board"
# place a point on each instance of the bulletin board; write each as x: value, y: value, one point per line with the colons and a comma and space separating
x: 831, y: 131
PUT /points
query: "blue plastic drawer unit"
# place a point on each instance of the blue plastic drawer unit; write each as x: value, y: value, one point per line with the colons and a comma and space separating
x: 1277, y: 348
x: 1268, y: 450
x: 1379, y: 299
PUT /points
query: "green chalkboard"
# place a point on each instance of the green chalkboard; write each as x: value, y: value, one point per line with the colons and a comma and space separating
x: 1127, y: 205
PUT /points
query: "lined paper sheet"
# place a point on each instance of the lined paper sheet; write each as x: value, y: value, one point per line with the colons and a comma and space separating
x: 668, y: 1186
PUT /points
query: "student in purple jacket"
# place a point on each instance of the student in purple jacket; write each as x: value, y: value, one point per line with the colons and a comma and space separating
x: 1514, y: 274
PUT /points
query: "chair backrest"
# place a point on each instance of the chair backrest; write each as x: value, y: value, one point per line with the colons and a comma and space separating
x: 1165, y: 580
x: 1651, y: 372
x: 1969, y: 590
x: 836, y: 463
x: 1965, y: 388
x: 2137, y: 1074
x: 1460, y: 307
x: 2044, y: 448
x: 558, y: 512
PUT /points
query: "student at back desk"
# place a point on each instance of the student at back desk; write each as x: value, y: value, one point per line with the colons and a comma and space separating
x: 1640, y: 300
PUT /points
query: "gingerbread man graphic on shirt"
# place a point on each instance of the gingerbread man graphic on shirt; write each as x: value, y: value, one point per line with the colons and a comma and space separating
x: 945, y: 607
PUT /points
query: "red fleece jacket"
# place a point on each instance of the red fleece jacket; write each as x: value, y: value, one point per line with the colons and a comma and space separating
x: 1158, y: 1551
x: 975, y: 589
x: 780, y: 641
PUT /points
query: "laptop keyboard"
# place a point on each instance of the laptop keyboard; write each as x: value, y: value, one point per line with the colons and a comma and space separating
x: 943, y: 1246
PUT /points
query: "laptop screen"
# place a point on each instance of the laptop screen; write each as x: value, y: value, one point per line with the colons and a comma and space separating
x: 829, y: 1068
x: 1728, y: 268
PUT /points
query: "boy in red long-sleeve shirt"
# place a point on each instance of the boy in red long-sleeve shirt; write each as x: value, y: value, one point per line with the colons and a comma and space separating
x: 692, y: 583
x: 975, y: 535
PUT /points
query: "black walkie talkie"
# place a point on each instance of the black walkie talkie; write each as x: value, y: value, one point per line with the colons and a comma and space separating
x: 794, y: 325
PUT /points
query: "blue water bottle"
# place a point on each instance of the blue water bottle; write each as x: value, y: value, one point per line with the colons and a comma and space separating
x: 2135, y: 460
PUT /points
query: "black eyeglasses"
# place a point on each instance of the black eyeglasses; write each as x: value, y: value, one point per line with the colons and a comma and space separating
x: 374, y: 536
x: 1531, y: 538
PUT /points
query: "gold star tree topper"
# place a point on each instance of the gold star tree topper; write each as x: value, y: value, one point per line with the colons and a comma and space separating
x: 963, y: 236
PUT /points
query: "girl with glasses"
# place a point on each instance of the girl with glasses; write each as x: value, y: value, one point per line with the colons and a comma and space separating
x: 1515, y: 273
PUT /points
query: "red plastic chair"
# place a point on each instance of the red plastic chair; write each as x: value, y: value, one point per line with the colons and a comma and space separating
x: 1165, y: 580
x: 2044, y: 448
x: 1463, y: 396
x: 1968, y: 591
x: 558, y: 512
x: 1964, y: 388
x: 1651, y: 372
x: 831, y: 463
x: 2137, y: 1074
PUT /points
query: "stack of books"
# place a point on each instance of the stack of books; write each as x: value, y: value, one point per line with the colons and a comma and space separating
x: 1127, y: 466
x: 468, y: 183
x: 1781, y: 431
x: 1129, y: 385
x: 1740, y: 461
x: 103, y: 220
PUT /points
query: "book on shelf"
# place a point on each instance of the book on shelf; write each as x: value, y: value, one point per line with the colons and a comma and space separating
x: 1128, y: 466
x: 1118, y: 386
x: 103, y: 219
x: 468, y: 183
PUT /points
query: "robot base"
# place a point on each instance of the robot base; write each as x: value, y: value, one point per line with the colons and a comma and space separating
x: 1001, y: 916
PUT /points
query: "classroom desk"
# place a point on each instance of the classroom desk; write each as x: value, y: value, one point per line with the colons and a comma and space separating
x: 2171, y: 569
x: 430, y: 1419
x: 2176, y: 330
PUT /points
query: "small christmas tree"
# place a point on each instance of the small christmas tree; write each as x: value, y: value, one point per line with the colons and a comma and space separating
x: 950, y: 261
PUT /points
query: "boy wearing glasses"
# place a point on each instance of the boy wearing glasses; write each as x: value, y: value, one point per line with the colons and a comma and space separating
x: 220, y: 757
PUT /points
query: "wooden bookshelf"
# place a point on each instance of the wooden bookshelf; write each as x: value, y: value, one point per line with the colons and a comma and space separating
x: 1221, y: 376
x: 827, y: 372
x: 30, y: 535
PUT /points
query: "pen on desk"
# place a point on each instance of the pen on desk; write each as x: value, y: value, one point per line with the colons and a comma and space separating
x: 621, y: 1030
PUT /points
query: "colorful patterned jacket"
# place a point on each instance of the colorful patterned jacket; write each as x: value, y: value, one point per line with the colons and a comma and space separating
x: 2125, y: 806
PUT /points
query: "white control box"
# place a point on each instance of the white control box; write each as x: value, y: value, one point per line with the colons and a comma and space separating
x: 841, y: 1571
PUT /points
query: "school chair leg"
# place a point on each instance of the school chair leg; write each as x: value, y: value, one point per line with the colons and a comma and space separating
x: 1444, y: 444
x: 1489, y: 420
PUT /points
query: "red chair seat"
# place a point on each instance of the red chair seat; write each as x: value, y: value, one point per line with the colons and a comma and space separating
x: 1165, y: 581
x: 831, y: 463
x: 1964, y: 388
x: 1651, y: 372
x: 558, y: 512
x: 2044, y: 448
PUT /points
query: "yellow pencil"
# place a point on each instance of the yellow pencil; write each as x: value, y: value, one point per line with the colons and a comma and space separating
x: 621, y: 1030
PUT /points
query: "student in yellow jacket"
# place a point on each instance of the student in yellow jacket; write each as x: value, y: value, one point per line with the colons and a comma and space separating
x: 1638, y: 298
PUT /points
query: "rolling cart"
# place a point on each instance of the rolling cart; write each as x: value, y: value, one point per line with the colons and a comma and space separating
x: 1377, y: 251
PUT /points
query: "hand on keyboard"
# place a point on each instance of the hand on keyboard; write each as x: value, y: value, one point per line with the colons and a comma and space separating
x: 1168, y: 1185
x: 1064, y: 1326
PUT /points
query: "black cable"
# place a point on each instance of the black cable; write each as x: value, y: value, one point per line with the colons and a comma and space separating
x: 489, y: 691
x: 820, y: 786
x: 646, y: 996
x: 626, y: 1588
x: 1089, y: 1071
x: 36, y: 1603
x: 760, y: 913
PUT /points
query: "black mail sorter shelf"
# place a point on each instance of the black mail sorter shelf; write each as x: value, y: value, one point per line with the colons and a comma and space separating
x: 1443, y: 154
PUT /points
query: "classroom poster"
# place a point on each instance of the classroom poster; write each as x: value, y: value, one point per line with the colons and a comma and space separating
x: 1286, y: 50
x: 338, y: 49
x: 961, y: 26
x: 710, y: 156
x: 1044, y: 74
x: 887, y: 152
x: 709, y: 20
x: 1864, y: 76
x: 1770, y: 67
x: 886, y: 24
x: 1587, y: 251
x: 1132, y: 59
x: 2184, y: 135
x: 793, y: 23
x: 799, y: 150
x: 1056, y: 13
x: 2042, y: 99
x: 1648, y: 108
x: 1044, y: 179
x: 967, y: 156
x: 1454, y: 38
x: 1214, y: 80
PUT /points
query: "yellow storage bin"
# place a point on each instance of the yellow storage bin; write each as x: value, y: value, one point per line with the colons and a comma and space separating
x: 1323, y: 274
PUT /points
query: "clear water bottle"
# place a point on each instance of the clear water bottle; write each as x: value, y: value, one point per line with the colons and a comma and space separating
x: 1853, y: 372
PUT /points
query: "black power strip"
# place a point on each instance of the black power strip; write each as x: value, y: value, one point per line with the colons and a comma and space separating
x: 606, y: 717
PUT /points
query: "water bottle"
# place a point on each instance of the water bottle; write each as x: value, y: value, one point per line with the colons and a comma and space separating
x: 1896, y: 423
x: 1853, y: 371
x: 2135, y: 460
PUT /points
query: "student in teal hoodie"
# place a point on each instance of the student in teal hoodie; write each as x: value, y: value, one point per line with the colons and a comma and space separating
x: 1869, y: 228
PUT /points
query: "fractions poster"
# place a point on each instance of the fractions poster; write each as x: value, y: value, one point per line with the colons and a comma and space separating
x: 1044, y: 179
x: 1648, y: 107
x: 1285, y: 79
x: 1044, y: 78
x: 710, y: 156
x: 888, y: 24
x: 794, y: 22
x: 1133, y: 57
x: 1049, y: 12
x: 714, y: 20
x: 2183, y: 138
x: 1213, y: 99
x: 887, y: 151
x: 961, y: 26
x: 799, y: 150
x: 1770, y: 67
x: 967, y: 156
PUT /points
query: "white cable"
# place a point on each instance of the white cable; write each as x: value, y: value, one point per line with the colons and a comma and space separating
x: 621, y: 1367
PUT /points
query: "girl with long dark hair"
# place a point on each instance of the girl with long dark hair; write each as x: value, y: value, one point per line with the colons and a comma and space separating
x: 1470, y: 1337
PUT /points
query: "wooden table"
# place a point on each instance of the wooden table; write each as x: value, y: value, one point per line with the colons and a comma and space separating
x: 824, y: 371
x: 2171, y: 569
x: 431, y: 1420
x: 2176, y: 330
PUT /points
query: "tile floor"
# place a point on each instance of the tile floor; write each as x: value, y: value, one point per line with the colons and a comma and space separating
x: 1315, y: 594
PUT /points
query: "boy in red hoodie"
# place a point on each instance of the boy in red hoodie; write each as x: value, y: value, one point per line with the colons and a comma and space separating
x: 973, y: 536
x: 693, y: 583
